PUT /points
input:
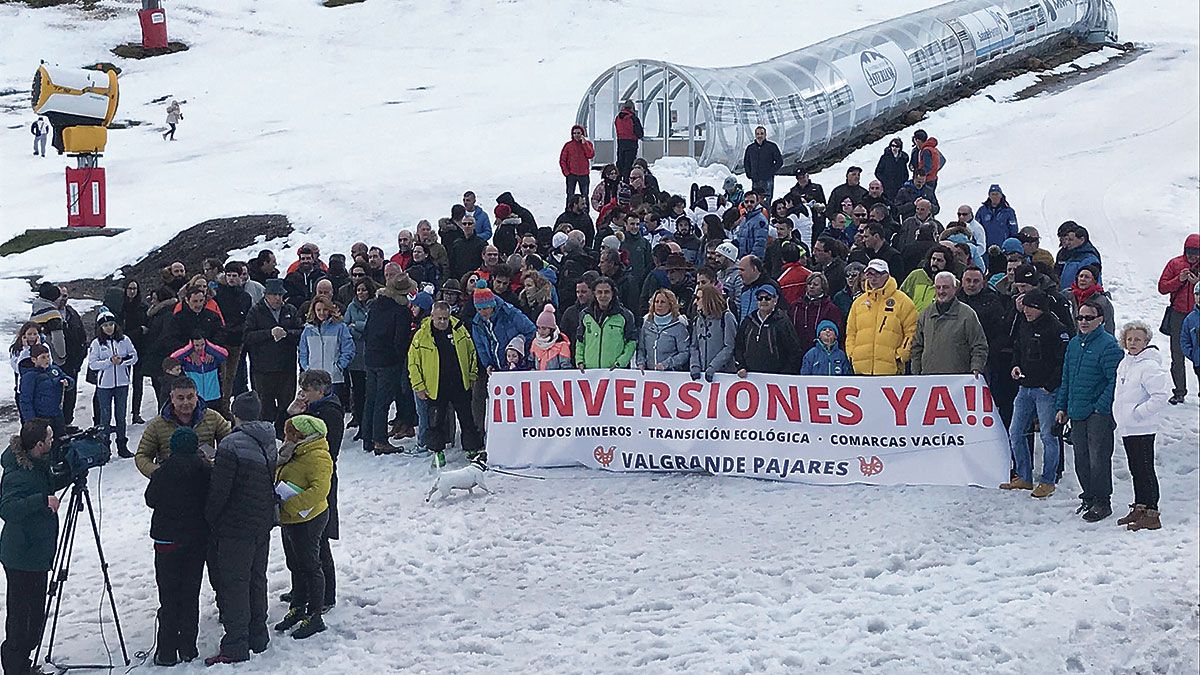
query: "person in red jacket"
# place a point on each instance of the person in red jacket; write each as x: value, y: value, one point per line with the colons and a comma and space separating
x: 926, y: 157
x: 793, y: 282
x: 575, y: 161
x: 629, y: 132
x: 1178, y: 277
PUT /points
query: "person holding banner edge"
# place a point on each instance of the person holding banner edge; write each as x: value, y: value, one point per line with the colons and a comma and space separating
x: 607, y: 334
x: 881, y: 324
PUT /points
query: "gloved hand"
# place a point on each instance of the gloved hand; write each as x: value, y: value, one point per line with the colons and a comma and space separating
x: 709, y: 374
x: 696, y: 375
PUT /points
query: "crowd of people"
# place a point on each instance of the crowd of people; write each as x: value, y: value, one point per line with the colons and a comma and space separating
x: 255, y: 367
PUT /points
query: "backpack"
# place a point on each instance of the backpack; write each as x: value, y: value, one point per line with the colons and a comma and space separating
x: 33, y: 128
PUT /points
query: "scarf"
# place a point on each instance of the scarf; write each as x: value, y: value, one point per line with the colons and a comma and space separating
x: 545, y: 343
x: 1082, y: 294
x: 663, y: 320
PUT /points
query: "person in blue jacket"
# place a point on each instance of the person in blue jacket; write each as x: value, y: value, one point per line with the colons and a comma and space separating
x: 999, y: 220
x: 42, y: 387
x: 826, y: 357
x: 752, y: 235
x: 495, y: 325
x: 326, y: 343
x: 1077, y: 252
x: 1085, y: 397
x: 483, y: 224
x: 1189, y: 334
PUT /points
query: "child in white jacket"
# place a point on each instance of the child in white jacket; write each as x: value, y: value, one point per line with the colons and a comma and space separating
x: 111, y: 357
x: 1143, y: 386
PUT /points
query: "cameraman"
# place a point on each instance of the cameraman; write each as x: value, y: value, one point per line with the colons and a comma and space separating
x: 27, y: 544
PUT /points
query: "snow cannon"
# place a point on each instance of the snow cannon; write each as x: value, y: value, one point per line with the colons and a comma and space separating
x: 79, y: 105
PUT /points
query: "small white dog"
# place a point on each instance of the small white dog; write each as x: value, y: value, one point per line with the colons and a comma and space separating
x: 467, y: 478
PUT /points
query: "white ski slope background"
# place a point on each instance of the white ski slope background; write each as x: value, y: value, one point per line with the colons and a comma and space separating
x: 360, y: 120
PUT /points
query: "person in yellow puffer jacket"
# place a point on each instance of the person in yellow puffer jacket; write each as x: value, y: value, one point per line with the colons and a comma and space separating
x: 881, y: 325
x: 306, y: 469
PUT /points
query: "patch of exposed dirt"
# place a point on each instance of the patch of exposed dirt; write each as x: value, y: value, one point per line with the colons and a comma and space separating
x: 134, y: 50
x: 1054, y: 83
x: 339, y: 3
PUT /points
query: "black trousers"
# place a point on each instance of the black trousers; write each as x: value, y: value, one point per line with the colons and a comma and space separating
x: 457, y: 403
x: 242, y: 594
x: 178, y: 571
x: 275, y: 390
x: 358, y: 393
x: 626, y: 152
x: 302, y: 551
x: 135, y: 387
x: 70, y: 396
x: 24, y: 605
x: 579, y: 183
x: 328, y: 570
x: 1140, y: 451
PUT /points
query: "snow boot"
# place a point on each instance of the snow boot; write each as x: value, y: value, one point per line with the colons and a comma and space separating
x: 294, y: 616
x: 166, y: 659
x: 1098, y: 512
x: 1136, y: 511
x: 1176, y: 399
x: 310, y: 626
x: 1016, y: 484
x: 1148, y: 521
x: 123, y: 449
x: 222, y: 658
x: 1043, y: 490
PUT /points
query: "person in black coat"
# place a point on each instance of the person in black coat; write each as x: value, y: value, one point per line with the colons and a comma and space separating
x: 75, y: 336
x: 851, y: 188
x: 316, y: 398
x: 192, y: 318
x: 995, y: 311
x: 273, y: 338
x: 177, y: 493
x: 761, y: 162
x: 301, y: 284
x: 385, y: 339
x: 133, y: 320
x: 578, y: 218
x: 235, y: 305
x: 892, y: 168
x: 521, y: 212
x: 766, y: 339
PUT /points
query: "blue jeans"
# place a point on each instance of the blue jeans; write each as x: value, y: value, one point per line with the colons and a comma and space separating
x: 1032, y: 401
x: 106, y: 401
x: 381, y: 393
x: 422, y: 419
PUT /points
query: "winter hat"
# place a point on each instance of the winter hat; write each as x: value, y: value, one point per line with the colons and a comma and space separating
x: 424, y: 301
x: 274, y: 287
x: 826, y: 323
x: 676, y: 261
x: 612, y: 241
x: 1027, y: 274
x: 730, y: 183
x: 729, y: 250
x: 185, y: 442
x: 517, y: 344
x: 1036, y: 299
x: 104, y: 316
x: 48, y: 291
x: 1091, y: 267
x: 246, y: 407
x: 502, y: 211
x: 878, y: 265
x: 1012, y: 245
x: 546, y: 318
x: 483, y: 296
x: 558, y: 239
x: 995, y: 188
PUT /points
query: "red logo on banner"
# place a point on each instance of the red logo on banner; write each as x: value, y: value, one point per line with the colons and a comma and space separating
x: 605, y: 458
x: 870, y: 467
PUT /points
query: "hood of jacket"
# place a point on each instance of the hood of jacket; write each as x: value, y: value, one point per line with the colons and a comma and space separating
x: 392, y: 291
x: 262, y: 432
x: 1192, y: 241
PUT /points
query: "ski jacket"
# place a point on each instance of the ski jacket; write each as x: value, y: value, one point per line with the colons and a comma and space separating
x: 1182, y: 297
x: 1089, y: 375
x: 999, y: 222
x: 109, y: 376
x: 424, y: 361
x: 826, y: 360
x: 30, y: 537
x: 310, y: 469
x: 712, y: 345
x: 556, y: 356
x: 1140, y: 397
x: 155, y: 445
x: 177, y: 493
x: 41, y: 392
x: 327, y: 346
x: 605, y: 338
x: 880, y: 330
x: 768, y: 345
x: 241, y: 494
x: 203, y: 367
x: 666, y: 344
x: 575, y: 157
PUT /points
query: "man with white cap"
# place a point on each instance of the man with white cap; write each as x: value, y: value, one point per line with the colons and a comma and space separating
x: 881, y: 325
x: 728, y: 277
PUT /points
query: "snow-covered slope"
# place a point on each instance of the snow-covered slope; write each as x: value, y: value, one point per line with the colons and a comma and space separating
x: 363, y: 119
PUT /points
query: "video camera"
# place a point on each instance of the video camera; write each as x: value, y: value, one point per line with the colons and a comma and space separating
x: 74, y: 454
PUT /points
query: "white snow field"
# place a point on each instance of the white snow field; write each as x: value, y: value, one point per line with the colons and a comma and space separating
x: 359, y: 120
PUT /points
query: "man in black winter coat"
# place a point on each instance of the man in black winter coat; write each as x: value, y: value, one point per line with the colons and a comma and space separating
x: 761, y: 162
x: 995, y: 312
x: 235, y: 304
x: 193, y: 318
x: 76, y: 339
x: 812, y: 195
x: 177, y: 493
x: 466, y: 254
x: 301, y: 283
x: 386, y: 338
x: 273, y: 339
x: 521, y: 212
x: 851, y: 188
x: 578, y: 218
x: 766, y: 339
x: 240, y: 512
x: 892, y: 168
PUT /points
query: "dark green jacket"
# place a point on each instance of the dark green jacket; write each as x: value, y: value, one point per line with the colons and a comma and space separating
x: 30, y: 527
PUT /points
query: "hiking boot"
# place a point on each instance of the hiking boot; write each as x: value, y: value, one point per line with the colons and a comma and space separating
x: 439, y: 460
x: 403, y: 431
x: 1043, y: 490
x: 294, y: 616
x: 259, y: 647
x: 222, y: 658
x: 137, y: 419
x: 1148, y: 521
x: 1097, y: 513
x: 188, y: 655
x: 310, y: 626
x: 1084, y: 505
x: 1176, y: 399
x: 1017, y: 484
x: 165, y: 659
x: 1135, y: 514
x: 387, y: 449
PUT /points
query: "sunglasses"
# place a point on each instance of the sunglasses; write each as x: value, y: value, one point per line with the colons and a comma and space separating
x: 765, y: 298
x: 860, y: 214
x: 358, y: 274
x: 1086, y: 317
x: 964, y: 213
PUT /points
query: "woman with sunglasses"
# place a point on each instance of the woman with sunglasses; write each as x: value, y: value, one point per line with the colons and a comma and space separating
x: 892, y: 168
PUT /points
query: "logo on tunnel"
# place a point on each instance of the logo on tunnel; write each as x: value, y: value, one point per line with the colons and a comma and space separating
x: 879, y: 71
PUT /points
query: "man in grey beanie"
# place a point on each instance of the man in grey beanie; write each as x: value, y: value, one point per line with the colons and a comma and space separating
x: 241, y: 513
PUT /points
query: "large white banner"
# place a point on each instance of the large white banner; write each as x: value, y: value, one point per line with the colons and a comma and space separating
x: 939, y: 430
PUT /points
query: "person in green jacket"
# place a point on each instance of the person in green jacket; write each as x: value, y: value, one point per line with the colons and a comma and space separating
x: 918, y: 285
x: 607, y: 334
x: 304, y: 473
x: 27, y: 544
x: 442, y: 366
x: 1089, y: 381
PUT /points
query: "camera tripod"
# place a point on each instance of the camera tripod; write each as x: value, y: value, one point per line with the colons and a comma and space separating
x: 79, y: 500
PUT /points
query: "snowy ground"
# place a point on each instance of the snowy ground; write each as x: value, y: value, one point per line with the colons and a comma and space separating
x: 589, y: 572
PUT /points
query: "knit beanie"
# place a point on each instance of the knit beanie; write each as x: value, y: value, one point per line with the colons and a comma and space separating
x: 517, y: 344
x: 611, y: 241
x: 424, y: 301
x: 246, y: 407
x: 502, y: 211
x: 546, y: 318
x: 185, y: 442
x: 483, y: 296
x: 48, y: 291
x: 558, y: 239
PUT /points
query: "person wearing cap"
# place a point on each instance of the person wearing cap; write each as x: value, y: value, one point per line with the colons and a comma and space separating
x: 881, y: 325
x: 812, y: 196
x: 46, y: 314
x: 506, y: 232
x: 1086, y: 286
x: 575, y: 161
x: 663, y: 340
x: 111, y: 356
x: 443, y: 367
x: 273, y: 329
x: 766, y: 341
x: 673, y: 273
x: 1085, y: 397
x: 452, y: 294
x: 607, y: 334
x: 761, y: 162
x: 1177, y: 280
x: 577, y: 217
x: 852, y: 188
x: 1026, y: 278
x: 1031, y: 243
x: 826, y: 357
x: 999, y: 220
x: 240, y: 512
x: 385, y: 338
x: 628, y: 132
x: 1039, y: 348
x: 949, y: 338
x: 724, y: 262
x: 495, y: 325
x: 1077, y: 251
x: 550, y: 348
x: 177, y: 494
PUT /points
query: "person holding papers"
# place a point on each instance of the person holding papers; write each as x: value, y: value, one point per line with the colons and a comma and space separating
x: 302, y: 484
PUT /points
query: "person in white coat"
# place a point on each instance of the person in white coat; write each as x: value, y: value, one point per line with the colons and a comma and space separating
x: 1143, y: 385
x: 111, y: 357
x: 174, y: 116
